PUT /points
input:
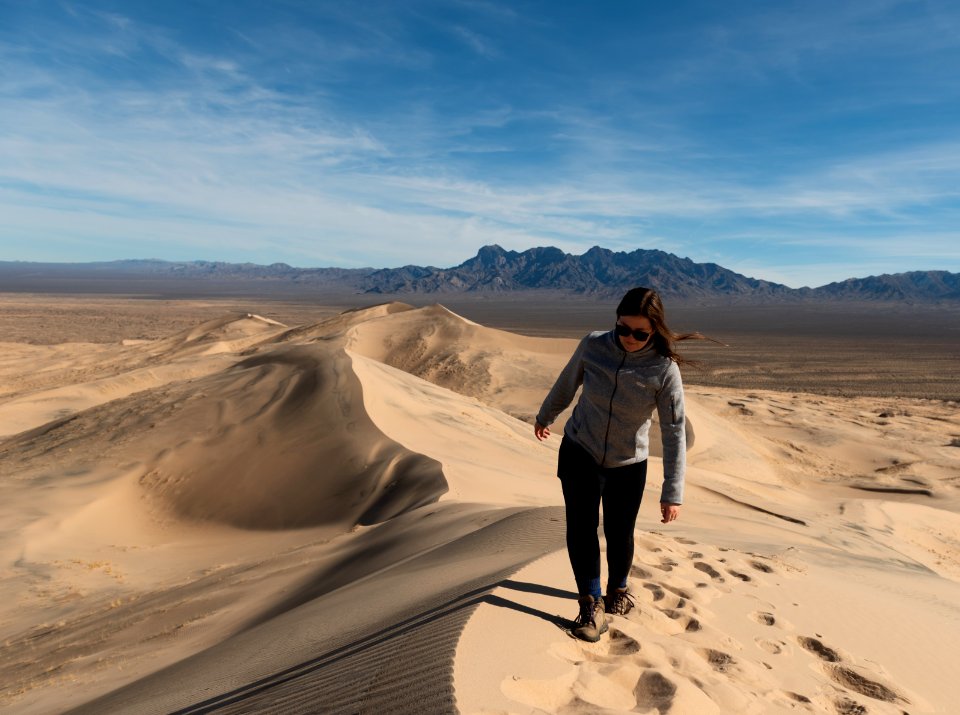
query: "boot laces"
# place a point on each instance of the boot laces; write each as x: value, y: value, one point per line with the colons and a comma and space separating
x: 621, y: 602
x: 586, y: 614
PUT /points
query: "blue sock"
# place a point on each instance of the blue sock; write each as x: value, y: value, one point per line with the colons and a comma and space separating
x: 611, y: 587
x: 594, y: 587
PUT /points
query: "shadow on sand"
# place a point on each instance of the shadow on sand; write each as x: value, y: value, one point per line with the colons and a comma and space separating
x: 455, y: 612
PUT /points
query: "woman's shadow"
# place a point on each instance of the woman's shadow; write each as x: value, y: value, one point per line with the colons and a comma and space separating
x: 565, y: 624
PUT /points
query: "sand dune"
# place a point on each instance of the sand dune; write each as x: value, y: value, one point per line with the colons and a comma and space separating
x: 348, y: 515
x: 504, y: 370
x: 64, y: 380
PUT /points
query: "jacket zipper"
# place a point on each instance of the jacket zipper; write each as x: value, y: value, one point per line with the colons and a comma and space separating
x: 616, y: 383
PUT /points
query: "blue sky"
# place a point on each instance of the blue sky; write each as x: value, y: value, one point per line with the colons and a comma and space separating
x: 801, y: 142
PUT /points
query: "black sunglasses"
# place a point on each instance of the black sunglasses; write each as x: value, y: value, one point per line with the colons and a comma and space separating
x: 624, y: 331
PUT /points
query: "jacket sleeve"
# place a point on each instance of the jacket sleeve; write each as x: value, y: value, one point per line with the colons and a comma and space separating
x: 672, y: 429
x: 565, y: 388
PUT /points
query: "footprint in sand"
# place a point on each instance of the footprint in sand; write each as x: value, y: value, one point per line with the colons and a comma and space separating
x: 859, y: 683
x: 846, y: 706
x: 622, y: 644
x: 667, y: 565
x: 677, y: 591
x: 853, y: 678
x: 690, y: 624
x: 658, y: 593
x: 709, y: 570
x: 655, y: 691
x: 819, y: 649
x: 771, y: 647
x: 764, y: 618
x: 718, y: 660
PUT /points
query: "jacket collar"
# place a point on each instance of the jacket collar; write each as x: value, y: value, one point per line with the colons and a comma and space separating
x: 645, y: 351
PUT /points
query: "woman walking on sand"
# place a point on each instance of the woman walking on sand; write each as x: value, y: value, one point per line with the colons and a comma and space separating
x: 626, y: 373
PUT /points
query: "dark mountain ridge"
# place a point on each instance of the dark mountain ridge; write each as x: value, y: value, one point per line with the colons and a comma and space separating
x: 598, y: 271
x: 913, y: 285
x: 494, y: 270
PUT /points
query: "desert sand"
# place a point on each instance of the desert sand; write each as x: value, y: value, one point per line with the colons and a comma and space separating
x: 351, y: 514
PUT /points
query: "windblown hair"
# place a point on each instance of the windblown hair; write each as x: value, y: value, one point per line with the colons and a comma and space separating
x: 646, y: 302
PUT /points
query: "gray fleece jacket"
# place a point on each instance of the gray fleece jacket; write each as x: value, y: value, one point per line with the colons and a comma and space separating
x: 611, y: 421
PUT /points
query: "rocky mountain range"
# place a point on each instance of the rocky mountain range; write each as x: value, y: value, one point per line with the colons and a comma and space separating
x: 599, y: 272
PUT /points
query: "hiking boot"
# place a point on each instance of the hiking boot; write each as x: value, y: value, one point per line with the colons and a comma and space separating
x: 591, y: 622
x: 618, y: 602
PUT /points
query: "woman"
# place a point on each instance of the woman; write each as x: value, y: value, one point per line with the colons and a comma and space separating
x: 625, y: 373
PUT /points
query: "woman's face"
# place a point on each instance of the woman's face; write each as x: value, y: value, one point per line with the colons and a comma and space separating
x: 634, y: 322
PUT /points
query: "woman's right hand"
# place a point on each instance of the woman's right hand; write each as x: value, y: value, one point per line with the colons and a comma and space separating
x: 541, y: 431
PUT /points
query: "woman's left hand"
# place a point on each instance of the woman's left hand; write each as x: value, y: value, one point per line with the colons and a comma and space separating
x: 669, y: 512
x: 540, y: 431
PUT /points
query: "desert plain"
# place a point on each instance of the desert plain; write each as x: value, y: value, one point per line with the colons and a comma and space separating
x: 261, y: 504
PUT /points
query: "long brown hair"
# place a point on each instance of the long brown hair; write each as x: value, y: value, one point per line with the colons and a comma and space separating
x: 646, y: 302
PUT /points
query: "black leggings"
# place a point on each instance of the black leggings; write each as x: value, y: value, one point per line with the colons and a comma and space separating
x: 585, y: 486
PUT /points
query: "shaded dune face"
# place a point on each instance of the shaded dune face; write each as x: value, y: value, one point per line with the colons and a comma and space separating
x: 282, y: 441
x: 437, y: 346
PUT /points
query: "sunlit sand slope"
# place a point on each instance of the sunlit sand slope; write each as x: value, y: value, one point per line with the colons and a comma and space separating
x: 815, y: 568
x: 347, y: 516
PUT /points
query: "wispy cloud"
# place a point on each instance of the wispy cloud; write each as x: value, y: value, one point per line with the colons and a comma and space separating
x: 129, y: 139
